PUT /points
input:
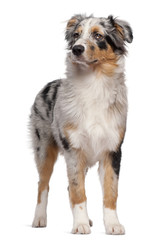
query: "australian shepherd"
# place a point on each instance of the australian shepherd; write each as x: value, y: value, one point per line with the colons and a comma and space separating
x: 84, y: 117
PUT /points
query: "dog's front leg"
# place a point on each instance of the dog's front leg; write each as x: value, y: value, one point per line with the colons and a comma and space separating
x: 108, y: 172
x: 76, y: 168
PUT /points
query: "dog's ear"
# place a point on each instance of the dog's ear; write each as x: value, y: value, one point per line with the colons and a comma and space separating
x: 122, y: 27
x: 72, y: 24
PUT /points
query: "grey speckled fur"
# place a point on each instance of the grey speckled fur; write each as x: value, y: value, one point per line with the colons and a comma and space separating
x: 42, y: 116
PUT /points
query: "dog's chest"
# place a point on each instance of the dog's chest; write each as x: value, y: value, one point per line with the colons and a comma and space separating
x: 97, y: 126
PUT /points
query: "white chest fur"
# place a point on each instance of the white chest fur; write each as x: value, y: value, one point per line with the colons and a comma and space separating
x: 94, y: 112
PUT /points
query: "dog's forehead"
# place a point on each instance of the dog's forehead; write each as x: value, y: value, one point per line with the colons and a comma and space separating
x: 88, y: 24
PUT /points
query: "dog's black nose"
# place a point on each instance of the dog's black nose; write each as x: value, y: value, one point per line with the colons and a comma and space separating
x: 78, y: 50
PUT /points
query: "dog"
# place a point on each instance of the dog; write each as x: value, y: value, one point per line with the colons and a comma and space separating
x: 84, y: 117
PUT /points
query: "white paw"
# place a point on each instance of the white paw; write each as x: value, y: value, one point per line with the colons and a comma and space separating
x: 39, y: 221
x: 115, y: 229
x: 81, y: 229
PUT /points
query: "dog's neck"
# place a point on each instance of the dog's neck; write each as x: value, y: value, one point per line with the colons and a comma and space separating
x: 88, y: 86
x: 82, y: 72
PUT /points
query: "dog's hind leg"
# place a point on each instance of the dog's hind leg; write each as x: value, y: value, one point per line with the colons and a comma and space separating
x: 45, y: 169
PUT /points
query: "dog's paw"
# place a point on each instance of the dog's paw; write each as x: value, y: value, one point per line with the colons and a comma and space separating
x: 39, y: 221
x: 115, y: 229
x: 81, y: 229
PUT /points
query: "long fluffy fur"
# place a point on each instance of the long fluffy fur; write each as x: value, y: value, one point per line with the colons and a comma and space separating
x: 84, y: 115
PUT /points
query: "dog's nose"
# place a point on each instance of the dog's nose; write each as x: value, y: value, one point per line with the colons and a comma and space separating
x: 78, y: 50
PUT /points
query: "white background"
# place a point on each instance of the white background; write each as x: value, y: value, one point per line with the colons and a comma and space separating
x: 32, y: 53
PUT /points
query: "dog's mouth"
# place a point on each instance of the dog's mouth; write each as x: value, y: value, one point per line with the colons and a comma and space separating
x: 83, y: 61
x: 92, y: 62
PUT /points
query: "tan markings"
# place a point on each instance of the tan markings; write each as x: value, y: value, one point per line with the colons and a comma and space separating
x: 46, y: 168
x: 120, y: 30
x: 121, y: 137
x: 79, y: 29
x: 77, y: 181
x: 110, y: 184
x: 96, y: 29
x: 107, y: 59
x: 81, y: 208
x: 91, y: 54
x: 114, y: 109
x: 71, y: 22
x: 107, y: 68
x: 122, y: 134
x: 69, y: 128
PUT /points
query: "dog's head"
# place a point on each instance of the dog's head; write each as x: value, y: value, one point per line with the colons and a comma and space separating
x: 97, y: 41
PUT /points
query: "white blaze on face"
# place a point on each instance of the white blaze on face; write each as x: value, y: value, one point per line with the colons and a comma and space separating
x: 86, y: 31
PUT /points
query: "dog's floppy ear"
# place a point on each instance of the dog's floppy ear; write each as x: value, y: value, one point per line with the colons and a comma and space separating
x: 72, y: 24
x: 123, y: 28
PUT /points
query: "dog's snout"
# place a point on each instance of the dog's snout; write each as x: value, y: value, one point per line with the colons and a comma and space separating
x: 78, y: 50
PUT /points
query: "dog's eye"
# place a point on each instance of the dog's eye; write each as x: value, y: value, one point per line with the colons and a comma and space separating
x: 76, y: 35
x: 98, y: 36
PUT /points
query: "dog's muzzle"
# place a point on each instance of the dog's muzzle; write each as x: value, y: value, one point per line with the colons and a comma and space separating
x: 78, y: 50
